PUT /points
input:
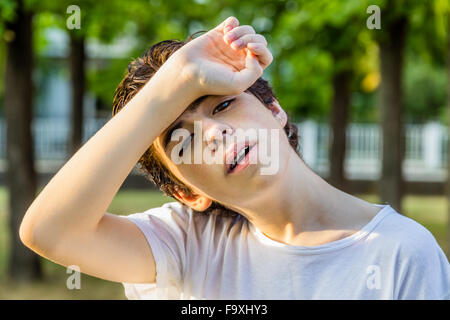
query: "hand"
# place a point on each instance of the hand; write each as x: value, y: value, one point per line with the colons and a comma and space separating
x: 226, y: 60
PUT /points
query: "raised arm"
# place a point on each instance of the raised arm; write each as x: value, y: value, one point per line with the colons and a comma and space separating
x: 68, y: 223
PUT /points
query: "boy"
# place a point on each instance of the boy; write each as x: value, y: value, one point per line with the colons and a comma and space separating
x: 243, y: 227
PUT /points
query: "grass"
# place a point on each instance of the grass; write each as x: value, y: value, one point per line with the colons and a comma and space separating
x: 430, y: 211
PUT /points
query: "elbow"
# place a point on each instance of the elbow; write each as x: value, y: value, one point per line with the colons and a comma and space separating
x: 27, y: 227
x: 37, y: 235
x: 26, y: 234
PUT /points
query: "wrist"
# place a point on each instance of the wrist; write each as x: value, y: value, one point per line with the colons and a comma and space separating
x: 176, y: 77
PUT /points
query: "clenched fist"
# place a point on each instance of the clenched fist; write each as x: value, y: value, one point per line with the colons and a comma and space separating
x: 226, y: 60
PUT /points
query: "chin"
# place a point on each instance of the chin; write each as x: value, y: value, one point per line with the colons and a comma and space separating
x: 266, y: 177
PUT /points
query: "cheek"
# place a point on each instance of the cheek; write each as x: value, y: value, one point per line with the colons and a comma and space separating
x: 202, y: 176
x: 248, y: 117
x: 208, y: 179
x: 259, y: 116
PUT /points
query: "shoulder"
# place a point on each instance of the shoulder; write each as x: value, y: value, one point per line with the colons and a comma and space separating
x: 423, y: 271
x: 414, y: 247
x: 420, y: 266
x: 402, y: 232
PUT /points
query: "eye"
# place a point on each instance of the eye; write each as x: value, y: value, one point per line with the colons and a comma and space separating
x: 186, y: 143
x: 222, y: 106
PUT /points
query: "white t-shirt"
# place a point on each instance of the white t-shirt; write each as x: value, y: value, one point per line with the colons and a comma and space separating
x: 209, y: 257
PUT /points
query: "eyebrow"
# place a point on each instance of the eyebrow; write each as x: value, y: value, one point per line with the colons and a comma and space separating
x: 167, y: 137
x: 192, y: 107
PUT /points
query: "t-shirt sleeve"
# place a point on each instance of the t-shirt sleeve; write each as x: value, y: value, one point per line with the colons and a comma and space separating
x: 165, y: 229
x: 425, y: 271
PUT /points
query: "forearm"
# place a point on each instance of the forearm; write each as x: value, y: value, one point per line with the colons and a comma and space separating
x: 78, y: 195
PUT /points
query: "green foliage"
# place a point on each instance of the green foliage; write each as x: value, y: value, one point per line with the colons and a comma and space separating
x: 304, y: 87
x: 112, y: 73
x: 425, y: 93
x: 310, y: 40
x: 7, y: 13
x: 318, y: 39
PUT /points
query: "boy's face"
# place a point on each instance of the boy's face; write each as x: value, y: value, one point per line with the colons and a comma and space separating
x: 227, y: 148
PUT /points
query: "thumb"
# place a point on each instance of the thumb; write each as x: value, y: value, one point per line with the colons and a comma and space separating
x: 252, y: 71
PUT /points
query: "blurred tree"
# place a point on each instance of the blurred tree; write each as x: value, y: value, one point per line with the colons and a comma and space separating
x: 339, y: 34
x: 21, y: 176
x: 392, y: 43
x: 83, y: 21
x: 425, y: 95
x: 423, y: 39
x: 96, y: 21
x: 447, y: 11
x: 336, y: 30
x: 63, y: 18
x: 77, y: 62
x: 144, y: 24
x: 425, y: 65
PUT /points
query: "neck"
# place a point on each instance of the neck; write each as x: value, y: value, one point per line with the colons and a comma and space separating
x: 303, y: 207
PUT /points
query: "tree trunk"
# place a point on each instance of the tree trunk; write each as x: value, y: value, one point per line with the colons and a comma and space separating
x: 77, y: 76
x: 448, y: 143
x: 338, y: 134
x: 21, y: 177
x: 391, y: 186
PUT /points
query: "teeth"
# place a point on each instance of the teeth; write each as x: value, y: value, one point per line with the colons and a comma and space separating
x: 239, y: 157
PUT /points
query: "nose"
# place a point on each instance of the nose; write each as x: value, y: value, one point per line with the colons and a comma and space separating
x: 215, y: 132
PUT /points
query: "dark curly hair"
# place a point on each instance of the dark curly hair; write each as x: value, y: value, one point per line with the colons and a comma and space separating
x: 139, y: 72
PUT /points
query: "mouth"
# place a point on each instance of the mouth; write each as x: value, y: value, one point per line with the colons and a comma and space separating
x: 238, y: 158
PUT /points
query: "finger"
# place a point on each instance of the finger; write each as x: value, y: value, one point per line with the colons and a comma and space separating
x: 262, y: 52
x: 228, y: 24
x: 238, y: 32
x: 247, y: 76
x: 248, y: 38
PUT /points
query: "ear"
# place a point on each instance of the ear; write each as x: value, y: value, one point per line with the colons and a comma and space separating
x: 196, y: 202
x: 278, y: 112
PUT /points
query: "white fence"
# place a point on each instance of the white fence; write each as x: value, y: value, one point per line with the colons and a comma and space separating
x: 425, y: 150
x: 425, y: 158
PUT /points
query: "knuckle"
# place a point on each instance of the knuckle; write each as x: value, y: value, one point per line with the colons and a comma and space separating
x: 232, y: 19
x: 257, y: 47
x: 245, y: 38
x: 251, y: 38
x: 231, y: 32
x: 247, y: 29
x: 261, y: 38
